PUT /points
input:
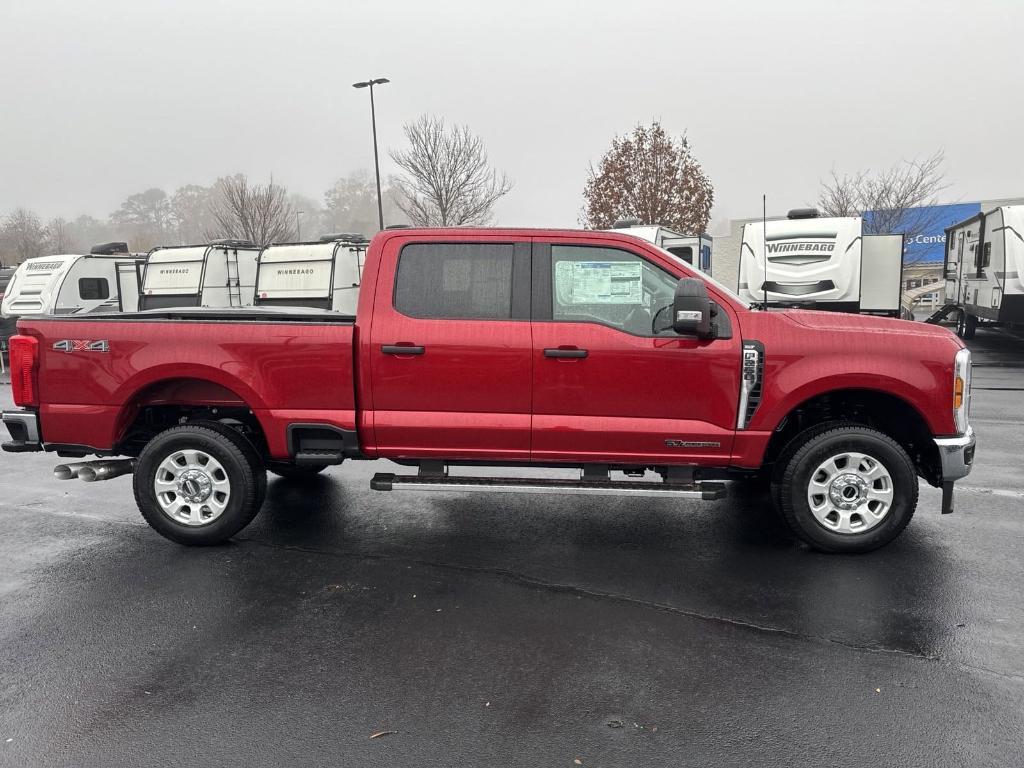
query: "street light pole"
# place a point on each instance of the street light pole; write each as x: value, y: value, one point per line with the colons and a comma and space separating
x: 373, y: 121
x: 298, y: 226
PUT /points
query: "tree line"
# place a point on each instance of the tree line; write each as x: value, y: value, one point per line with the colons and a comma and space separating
x: 445, y: 178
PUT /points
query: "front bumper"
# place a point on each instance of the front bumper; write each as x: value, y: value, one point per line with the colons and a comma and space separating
x: 24, y: 429
x: 956, y: 455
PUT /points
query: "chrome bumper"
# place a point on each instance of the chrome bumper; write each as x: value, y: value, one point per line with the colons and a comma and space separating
x: 956, y: 455
x: 24, y: 429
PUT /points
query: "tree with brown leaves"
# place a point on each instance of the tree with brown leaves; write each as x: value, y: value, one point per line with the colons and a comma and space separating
x: 651, y: 177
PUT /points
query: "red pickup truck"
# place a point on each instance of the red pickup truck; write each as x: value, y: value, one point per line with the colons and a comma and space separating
x: 594, y: 351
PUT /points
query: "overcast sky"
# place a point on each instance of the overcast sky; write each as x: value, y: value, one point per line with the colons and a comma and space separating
x: 105, y: 98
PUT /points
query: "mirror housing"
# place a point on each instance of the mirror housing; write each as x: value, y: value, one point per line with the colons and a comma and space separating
x: 692, y: 309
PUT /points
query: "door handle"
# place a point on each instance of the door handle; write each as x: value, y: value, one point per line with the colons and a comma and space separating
x: 401, y: 349
x: 565, y: 352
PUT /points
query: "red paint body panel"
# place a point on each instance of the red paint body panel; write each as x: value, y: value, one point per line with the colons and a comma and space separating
x: 274, y: 368
x: 483, y: 389
x: 467, y: 396
x: 809, y: 353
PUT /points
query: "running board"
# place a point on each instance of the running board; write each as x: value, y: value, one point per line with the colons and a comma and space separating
x: 705, y: 491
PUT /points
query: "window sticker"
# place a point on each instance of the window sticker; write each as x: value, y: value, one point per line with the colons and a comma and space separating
x: 599, y: 282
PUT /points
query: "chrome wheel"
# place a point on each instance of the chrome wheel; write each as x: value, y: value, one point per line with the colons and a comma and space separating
x: 850, y: 493
x: 192, y: 487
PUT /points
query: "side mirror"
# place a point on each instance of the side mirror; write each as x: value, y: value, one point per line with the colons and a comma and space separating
x: 692, y: 309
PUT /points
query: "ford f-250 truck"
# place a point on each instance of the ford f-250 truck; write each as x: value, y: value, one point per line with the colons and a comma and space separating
x: 517, y: 348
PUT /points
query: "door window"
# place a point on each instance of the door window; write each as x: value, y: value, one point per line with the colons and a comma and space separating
x: 608, y: 286
x: 467, y: 281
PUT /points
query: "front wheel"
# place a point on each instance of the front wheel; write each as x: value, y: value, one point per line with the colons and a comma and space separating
x: 199, y: 484
x: 846, y: 488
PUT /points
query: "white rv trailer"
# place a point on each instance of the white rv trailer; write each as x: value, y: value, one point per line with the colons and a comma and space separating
x: 221, y: 274
x: 693, y: 249
x: 984, y: 269
x: 324, y: 274
x: 808, y: 262
x: 69, y: 283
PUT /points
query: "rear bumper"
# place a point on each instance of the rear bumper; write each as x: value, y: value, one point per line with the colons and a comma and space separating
x: 956, y: 455
x: 24, y: 429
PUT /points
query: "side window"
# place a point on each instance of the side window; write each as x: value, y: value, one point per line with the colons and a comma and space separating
x: 685, y: 253
x: 466, y: 281
x: 608, y: 286
x: 986, y: 258
x: 92, y: 288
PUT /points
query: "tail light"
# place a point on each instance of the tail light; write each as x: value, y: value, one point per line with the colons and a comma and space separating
x: 24, y: 354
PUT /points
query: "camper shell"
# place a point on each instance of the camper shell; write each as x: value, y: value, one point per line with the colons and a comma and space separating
x: 826, y: 263
x: 66, y: 284
x: 323, y: 274
x: 984, y: 267
x: 219, y: 274
x: 695, y: 250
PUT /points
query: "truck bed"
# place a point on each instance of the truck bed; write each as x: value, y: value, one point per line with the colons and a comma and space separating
x: 96, y: 372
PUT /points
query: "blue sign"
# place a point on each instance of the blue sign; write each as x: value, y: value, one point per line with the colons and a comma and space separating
x: 925, y: 229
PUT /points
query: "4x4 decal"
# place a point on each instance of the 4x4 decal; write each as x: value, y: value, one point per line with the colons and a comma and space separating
x: 81, y: 345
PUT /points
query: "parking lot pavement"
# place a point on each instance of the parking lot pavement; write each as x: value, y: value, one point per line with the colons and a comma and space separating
x: 502, y: 630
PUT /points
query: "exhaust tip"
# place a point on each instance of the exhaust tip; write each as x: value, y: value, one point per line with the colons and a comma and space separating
x: 63, y: 472
x: 87, y: 474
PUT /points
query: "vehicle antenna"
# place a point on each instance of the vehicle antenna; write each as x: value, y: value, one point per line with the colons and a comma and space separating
x: 764, y: 244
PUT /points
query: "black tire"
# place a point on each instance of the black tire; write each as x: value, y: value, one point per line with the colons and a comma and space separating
x: 808, y: 451
x: 970, y: 326
x: 241, y: 463
x: 966, y: 325
x: 292, y: 472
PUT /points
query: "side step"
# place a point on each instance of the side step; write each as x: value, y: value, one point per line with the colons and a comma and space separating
x: 308, y: 458
x: 707, y: 491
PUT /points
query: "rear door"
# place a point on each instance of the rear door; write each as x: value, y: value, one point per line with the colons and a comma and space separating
x: 450, y: 349
x: 608, y: 389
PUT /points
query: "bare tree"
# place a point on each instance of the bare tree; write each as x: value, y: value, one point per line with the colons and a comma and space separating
x: 649, y: 176
x: 447, y: 179
x: 898, y: 199
x: 24, y: 236
x: 59, y: 236
x: 259, y: 213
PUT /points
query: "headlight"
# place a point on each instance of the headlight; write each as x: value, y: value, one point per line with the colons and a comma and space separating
x: 962, y: 389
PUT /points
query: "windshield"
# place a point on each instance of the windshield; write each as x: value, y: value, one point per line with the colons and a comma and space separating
x: 728, y: 291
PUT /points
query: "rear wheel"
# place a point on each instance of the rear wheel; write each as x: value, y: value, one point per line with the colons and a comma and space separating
x: 199, y: 484
x: 966, y: 325
x: 845, y: 488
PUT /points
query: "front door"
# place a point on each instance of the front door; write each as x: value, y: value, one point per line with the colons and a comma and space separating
x: 607, y: 388
x: 450, y: 350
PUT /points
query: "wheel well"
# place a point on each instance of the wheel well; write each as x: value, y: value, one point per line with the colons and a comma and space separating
x: 879, y: 410
x: 174, y: 402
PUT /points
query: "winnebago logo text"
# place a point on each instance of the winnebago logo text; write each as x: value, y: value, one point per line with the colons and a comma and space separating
x: 81, y: 345
x: 178, y: 271
x: 308, y: 271
x: 44, y: 265
x: 791, y: 247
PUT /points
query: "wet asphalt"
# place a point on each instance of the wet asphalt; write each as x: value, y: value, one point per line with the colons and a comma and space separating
x: 478, y: 630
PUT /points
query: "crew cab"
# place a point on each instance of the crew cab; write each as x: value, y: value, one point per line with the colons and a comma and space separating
x: 595, y: 351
